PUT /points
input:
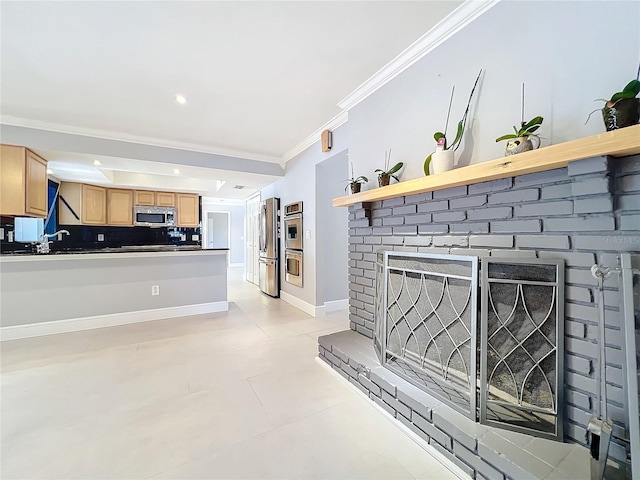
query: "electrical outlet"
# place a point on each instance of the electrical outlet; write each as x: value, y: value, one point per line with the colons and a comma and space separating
x: 101, y: 237
x: 307, y: 234
x: 10, y: 236
x: 183, y: 238
x: 1, y: 233
x: 59, y: 237
x: 155, y: 290
x: 195, y: 238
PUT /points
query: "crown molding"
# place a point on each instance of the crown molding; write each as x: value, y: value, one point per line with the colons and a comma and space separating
x: 447, y: 27
x: 332, y: 124
x: 125, y: 137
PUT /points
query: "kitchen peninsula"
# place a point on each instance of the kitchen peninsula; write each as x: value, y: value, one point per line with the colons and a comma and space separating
x: 56, y: 293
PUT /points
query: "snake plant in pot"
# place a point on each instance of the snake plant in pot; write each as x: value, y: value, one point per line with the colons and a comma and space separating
x: 443, y: 157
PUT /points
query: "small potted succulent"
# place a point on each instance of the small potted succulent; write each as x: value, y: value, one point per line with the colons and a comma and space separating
x: 444, y: 156
x: 355, y: 184
x: 385, y: 176
x: 523, y: 139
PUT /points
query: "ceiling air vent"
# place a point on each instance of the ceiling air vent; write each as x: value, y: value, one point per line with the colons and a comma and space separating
x: 238, y: 187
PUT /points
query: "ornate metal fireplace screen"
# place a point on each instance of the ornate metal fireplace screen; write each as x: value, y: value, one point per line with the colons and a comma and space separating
x: 426, y: 331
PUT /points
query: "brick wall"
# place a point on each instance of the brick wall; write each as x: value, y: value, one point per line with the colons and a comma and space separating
x: 585, y: 214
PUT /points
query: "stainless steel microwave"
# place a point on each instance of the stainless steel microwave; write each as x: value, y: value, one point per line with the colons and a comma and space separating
x: 154, y: 216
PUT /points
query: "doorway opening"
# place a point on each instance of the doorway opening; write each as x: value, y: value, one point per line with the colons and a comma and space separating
x: 217, y: 230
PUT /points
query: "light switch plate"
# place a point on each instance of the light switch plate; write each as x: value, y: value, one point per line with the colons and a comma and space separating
x: 195, y: 238
x: 1, y: 233
x: 101, y: 237
x: 307, y: 234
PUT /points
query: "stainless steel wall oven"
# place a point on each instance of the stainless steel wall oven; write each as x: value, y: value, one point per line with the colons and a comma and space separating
x: 293, y: 267
x: 293, y: 243
x: 293, y: 230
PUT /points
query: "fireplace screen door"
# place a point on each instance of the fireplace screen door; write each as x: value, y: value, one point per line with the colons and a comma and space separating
x: 522, y: 353
x: 428, y: 326
x: 505, y: 370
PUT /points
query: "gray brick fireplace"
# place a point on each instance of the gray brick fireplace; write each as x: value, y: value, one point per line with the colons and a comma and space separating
x: 585, y: 214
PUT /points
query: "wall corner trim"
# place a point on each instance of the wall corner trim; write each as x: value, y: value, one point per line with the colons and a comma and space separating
x: 111, y: 320
x: 451, y: 24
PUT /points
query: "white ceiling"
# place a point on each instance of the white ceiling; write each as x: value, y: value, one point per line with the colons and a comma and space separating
x: 261, y: 77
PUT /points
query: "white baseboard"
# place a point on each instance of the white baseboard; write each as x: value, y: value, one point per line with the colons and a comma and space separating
x: 111, y: 320
x: 335, y: 305
x: 302, y: 305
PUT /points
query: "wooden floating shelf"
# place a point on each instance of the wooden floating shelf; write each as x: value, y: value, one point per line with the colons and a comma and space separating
x: 617, y: 143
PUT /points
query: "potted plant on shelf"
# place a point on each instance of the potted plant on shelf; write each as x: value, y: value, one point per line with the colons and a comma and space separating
x: 355, y: 184
x: 523, y: 139
x: 385, y: 176
x: 623, y: 109
x: 444, y: 155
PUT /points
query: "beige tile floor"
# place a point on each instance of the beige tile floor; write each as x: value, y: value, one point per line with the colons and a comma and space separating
x: 229, y: 395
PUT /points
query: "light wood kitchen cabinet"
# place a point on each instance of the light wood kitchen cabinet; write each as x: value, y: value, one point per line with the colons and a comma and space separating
x: 165, y: 199
x: 119, y: 207
x: 23, y: 182
x: 85, y: 204
x: 188, y: 209
x: 94, y: 205
x: 150, y: 198
x: 145, y: 197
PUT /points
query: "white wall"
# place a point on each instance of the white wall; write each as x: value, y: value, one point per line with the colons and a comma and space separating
x: 567, y: 53
x: 300, y: 183
x: 237, y: 237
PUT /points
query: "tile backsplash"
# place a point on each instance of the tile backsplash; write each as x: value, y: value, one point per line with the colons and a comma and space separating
x: 92, y: 237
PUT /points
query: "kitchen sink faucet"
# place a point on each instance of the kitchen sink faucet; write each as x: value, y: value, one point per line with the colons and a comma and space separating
x: 43, y: 246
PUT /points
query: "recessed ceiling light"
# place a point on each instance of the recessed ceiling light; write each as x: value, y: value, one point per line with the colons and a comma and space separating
x: 176, y: 171
x: 97, y: 162
x: 181, y: 99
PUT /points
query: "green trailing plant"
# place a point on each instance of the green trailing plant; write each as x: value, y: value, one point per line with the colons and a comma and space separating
x: 388, y: 172
x: 354, y: 183
x: 526, y: 129
x: 441, y: 137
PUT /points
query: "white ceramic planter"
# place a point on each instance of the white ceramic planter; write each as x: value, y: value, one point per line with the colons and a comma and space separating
x: 442, y: 161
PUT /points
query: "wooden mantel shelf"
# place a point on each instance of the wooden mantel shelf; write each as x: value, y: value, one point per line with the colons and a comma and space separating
x: 617, y: 143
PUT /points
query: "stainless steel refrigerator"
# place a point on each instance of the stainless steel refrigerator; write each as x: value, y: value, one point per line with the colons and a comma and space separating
x: 269, y: 267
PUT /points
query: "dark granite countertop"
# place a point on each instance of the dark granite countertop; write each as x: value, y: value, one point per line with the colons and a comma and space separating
x: 123, y: 249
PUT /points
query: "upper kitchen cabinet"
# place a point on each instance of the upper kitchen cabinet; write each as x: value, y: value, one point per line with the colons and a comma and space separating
x: 94, y: 205
x: 165, y: 199
x: 81, y: 204
x: 145, y: 197
x: 149, y: 198
x: 120, y: 206
x: 23, y: 182
x: 188, y: 207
